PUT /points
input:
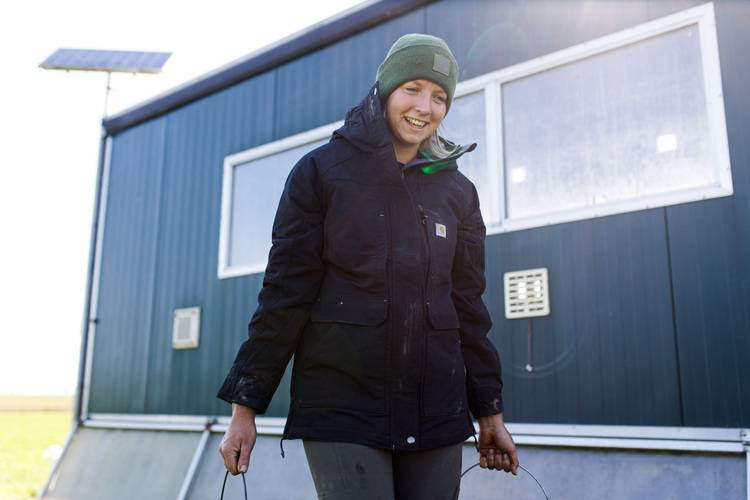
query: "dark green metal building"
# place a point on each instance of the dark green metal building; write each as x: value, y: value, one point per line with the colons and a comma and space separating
x: 613, y: 153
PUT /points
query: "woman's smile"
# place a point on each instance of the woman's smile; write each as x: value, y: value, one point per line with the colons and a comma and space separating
x: 416, y: 123
x: 413, y: 112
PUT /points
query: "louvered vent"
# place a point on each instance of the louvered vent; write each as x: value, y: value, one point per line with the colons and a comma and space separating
x: 526, y: 293
x: 186, y: 328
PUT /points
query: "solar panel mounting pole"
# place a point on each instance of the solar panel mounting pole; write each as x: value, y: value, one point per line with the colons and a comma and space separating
x: 106, y: 95
x: 109, y: 61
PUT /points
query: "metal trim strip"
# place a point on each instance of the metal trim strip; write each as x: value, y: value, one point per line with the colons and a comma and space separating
x: 630, y: 444
x: 141, y: 426
x: 151, y: 419
x: 714, y: 440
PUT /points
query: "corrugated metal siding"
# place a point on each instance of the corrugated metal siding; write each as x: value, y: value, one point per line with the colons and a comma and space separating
x: 486, y: 36
x: 127, y: 271
x: 173, y: 169
x: 320, y: 88
x: 199, y: 136
x: 710, y: 251
x: 606, y: 353
x: 614, y: 351
x: 661, y: 8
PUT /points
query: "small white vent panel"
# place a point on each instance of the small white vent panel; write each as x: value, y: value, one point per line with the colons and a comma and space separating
x: 526, y: 293
x: 186, y: 326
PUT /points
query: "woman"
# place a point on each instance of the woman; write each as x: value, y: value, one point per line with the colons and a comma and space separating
x: 374, y: 284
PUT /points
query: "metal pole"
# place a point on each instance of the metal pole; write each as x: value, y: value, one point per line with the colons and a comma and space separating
x: 78, y: 413
x: 106, y: 94
x: 188, y: 481
x: 92, y: 283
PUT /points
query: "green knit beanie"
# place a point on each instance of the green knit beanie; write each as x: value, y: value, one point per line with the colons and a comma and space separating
x: 416, y: 56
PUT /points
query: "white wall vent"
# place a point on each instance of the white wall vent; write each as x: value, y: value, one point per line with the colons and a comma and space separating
x: 186, y: 326
x: 526, y: 293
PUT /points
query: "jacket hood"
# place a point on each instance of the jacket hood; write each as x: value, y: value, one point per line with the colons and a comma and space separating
x: 365, y: 128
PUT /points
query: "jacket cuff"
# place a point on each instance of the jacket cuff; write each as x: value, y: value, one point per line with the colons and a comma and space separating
x: 235, y: 390
x: 485, y: 401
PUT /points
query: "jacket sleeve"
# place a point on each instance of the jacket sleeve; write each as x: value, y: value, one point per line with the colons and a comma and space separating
x: 484, y: 383
x: 290, y: 287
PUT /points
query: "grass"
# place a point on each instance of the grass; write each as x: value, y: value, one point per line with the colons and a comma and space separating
x: 27, y: 430
x: 36, y: 403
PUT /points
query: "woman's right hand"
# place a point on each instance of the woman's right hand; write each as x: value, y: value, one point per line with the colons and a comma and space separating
x: 239, y: 439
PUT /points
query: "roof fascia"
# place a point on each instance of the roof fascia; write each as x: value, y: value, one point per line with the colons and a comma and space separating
x: 315, y: 37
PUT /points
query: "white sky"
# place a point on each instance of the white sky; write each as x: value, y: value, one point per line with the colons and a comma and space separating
x: 49, y: 139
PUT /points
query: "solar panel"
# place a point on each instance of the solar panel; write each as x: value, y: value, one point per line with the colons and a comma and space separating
x: 106, y: 60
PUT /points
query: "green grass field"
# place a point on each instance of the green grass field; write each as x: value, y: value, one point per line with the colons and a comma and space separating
x: 28, y: 427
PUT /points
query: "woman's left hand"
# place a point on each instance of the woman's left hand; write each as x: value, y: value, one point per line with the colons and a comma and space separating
x: 496, y: 447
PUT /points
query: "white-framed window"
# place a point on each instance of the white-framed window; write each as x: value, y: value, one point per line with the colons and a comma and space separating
x: 626, y: 122
x: 470, y: 120
x: 251, y: 189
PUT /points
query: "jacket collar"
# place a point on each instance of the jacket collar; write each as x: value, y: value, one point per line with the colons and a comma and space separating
x: 365, y: 128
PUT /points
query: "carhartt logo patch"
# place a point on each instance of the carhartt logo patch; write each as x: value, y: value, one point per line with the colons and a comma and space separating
x: 442, y: 64
x: 440, y: 230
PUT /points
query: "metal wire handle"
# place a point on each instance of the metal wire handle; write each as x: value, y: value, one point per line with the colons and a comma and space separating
x: 544, y: 492
x: 223, y: 485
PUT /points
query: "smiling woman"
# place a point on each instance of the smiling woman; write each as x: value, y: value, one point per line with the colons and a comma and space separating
x: 374, y: 284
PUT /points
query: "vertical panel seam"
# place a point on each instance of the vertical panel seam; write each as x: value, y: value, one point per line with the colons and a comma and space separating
x: 674, y: 317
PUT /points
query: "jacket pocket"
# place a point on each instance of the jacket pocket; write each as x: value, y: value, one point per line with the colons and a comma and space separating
x: 340, y: 361
x: 349, y: 309
x: 442, y: 313
x: 355, y: 246
x: 441, y: 239
x: 444, y: 386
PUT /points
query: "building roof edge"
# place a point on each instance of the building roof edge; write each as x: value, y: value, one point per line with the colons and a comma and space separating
x: 319, y: 35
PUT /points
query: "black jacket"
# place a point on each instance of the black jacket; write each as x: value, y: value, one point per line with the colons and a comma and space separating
x: 374, y: 283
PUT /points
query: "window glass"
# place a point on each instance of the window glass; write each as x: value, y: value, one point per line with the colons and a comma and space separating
x: 626, y: 123
x: 465, y: 124
x: 256, y: 189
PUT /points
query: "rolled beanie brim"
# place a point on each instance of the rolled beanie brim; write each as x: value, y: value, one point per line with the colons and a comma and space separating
x: 415, y: 57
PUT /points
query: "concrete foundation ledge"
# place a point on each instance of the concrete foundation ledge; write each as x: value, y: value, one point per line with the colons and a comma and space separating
x: 116, y: 463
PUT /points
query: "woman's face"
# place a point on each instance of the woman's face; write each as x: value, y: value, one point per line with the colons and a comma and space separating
x: 413, y: 112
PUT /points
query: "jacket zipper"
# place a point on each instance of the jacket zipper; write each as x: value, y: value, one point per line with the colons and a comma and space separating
x: 426, y: 307
x: 423, y: 221
x: 389, y: 265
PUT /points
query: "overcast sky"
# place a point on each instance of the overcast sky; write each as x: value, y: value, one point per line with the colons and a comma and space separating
x: 49, y: 133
